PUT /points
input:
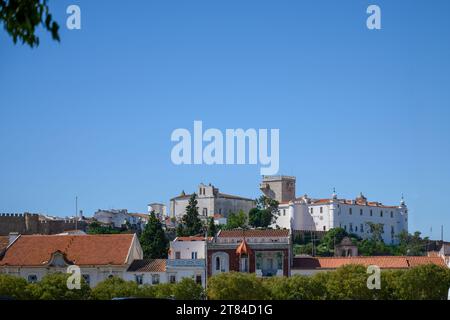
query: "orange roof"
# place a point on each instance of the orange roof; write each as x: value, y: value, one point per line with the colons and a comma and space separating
x: 192, y: 238
x: 354, y: 202
x: 243, y: 248
x: 253, y: 233
x: 37, y: 250
x: 4, y: 241
x: 384, y: 262
x: 149, y: 265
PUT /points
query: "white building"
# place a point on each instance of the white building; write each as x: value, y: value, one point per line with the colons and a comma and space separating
x: 211, y: 202
x: 186, y: 260
x: 119, y: 218
x: 305, y: 213
x: 98, y: 256
x: 159, y: 208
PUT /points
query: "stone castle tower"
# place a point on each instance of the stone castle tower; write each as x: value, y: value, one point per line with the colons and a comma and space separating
x: 280, y: 188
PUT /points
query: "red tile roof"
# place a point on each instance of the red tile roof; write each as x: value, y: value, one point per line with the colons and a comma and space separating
x: 192, y: 238
x: 384, y: 262
x: 148, y: 265
x: 37, y: 250
x: 253, y: 233
x: 4, y: 241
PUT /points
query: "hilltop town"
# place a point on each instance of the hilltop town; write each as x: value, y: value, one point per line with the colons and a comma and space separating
x: 208, y: 233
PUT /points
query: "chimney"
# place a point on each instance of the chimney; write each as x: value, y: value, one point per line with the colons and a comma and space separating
x: 12, y: 237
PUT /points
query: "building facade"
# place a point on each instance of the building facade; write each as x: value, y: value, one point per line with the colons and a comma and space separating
x: 98, y: 256
x: 355, y: 216
x: 186, y: 260
x: 211, y: 202
x: 264, y: 252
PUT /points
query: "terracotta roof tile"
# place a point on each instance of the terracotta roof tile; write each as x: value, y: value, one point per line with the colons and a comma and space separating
x: 253, y: 233
x: 148, y: 265
x: 196, y: 238
x: 4, y: 241
x: 384, y: 262
x: 37, y: 250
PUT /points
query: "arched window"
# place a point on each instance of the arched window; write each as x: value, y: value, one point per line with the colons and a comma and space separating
x: 218, y: 263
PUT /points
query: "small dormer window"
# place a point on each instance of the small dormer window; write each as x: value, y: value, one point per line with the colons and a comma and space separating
x: 32, y: 278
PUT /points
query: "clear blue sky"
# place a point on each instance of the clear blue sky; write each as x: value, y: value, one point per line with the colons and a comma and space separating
x: 358, y: 110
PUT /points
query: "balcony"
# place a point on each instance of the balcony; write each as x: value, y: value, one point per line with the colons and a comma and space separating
x: 185, y: 263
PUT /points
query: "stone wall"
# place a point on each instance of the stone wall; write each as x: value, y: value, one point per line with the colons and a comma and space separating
x: 28, y: 223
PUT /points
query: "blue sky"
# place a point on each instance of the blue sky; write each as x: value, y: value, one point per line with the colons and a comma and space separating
x: 358, y: 110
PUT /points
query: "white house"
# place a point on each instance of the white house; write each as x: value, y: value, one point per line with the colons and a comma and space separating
x: 118, y: 218
x: 98, y: 256
x: 186, y: 260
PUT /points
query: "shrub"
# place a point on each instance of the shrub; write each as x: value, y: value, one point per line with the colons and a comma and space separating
x: 54, y: 287
x: 236, y: 286
x: 115, y: 288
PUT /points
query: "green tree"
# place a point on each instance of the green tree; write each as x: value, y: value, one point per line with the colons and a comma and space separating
x: 425, y: 282
x: 348, y: 283
x: 264, y: 214
x: 376, y: 231
x: 54, y: 287
x: 212, y: 228
x: 115, y: 287
x: 21, y: 18
x: 187, y: 289
x: 191, y: 224
x: 96, y: 228
x: 296, y: 287
x: 14, y: 287
x: 236, y: 220
x: 236, y: 286
x: 164, y: 290
x: 333, y: 237
x: 153, y: 239
x: 411, y: 244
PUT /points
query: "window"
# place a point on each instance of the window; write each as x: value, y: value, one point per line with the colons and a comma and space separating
x: 392, y: 214
x: 172, y: 278
x: 139, y: 278
x: 361, y: 227
x: 220, y: 211
x: 356, y: 228
x: 205, y: 211
x: 345, y: 227
x: 32, y: 278
x: 392, y: 230
x: 155, y: 278
x: 284, y: 212
x: 381, y: 213
x: 351, y: 227
x: 87, y: 279
x: 324, y: 228
x: 194, y: 255
x: 321, y: 209
x: 177, y: 255
x: 198, y: 279
x: 360, y: 212
x: 312, y: 210
x: 217, y: 263
x: 244, y: 264
x: 350, y: 211
x: 371, y: 213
